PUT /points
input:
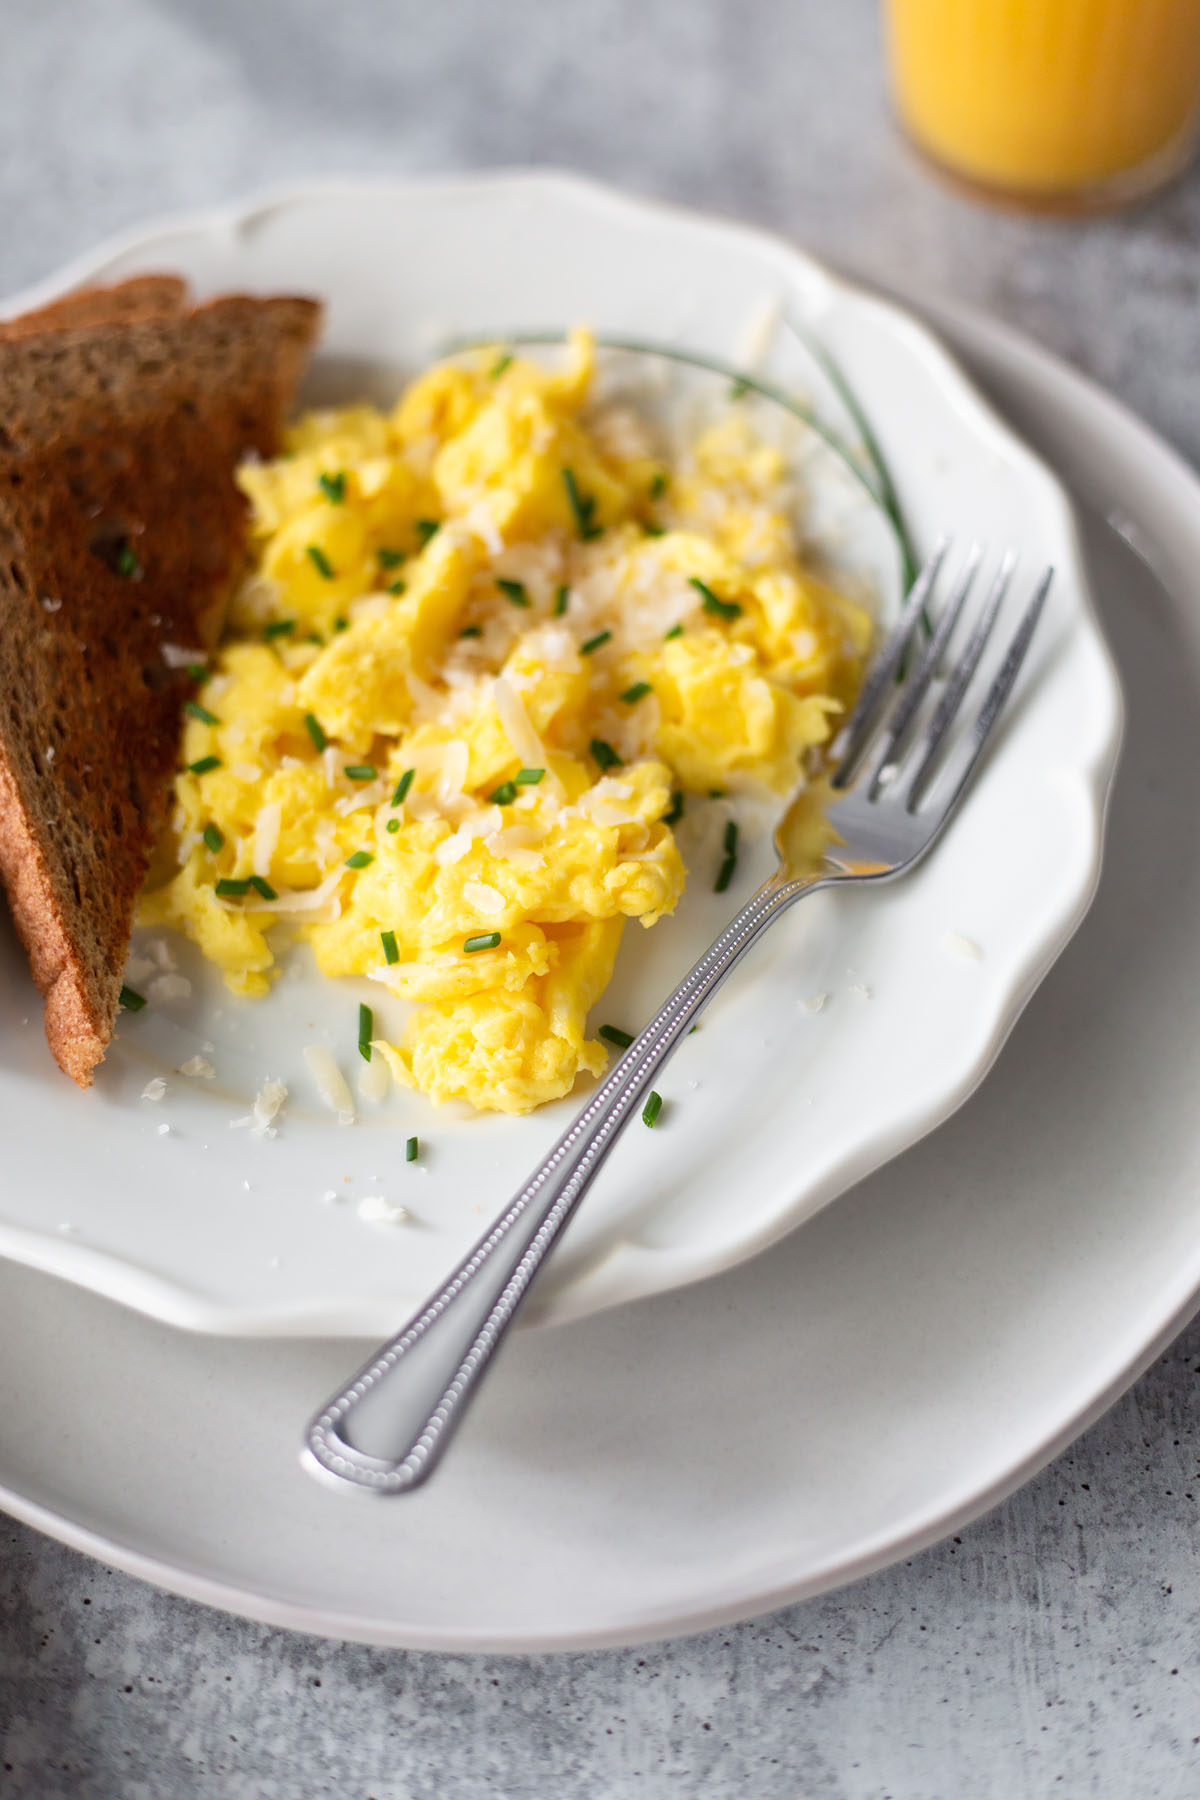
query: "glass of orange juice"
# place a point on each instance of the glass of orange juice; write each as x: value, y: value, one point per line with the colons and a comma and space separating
x: 1053, y: 103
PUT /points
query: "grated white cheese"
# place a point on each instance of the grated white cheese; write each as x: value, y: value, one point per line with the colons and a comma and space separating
x: 331, y: 1083
x: 754, y: 340
x: 484, y: 899
x: 377, y: 1209
x: 176, y: 657
x: 154, y: 1089
x: 815, y: 1003
x: 268, y: 1104
x: 266, y: 836
x: 957, y: 945
x: 198, y: 1066
x: 165, y: 988
x: 374, y: 1079
x: 859, y: 991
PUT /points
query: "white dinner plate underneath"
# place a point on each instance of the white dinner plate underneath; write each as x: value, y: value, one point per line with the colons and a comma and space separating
x: 865, y: 1387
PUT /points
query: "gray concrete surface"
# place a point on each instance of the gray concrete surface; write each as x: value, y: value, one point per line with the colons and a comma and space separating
x: 1054, y: 1650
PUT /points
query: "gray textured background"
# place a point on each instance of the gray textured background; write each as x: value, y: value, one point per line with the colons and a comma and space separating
x: 1054, y: 1649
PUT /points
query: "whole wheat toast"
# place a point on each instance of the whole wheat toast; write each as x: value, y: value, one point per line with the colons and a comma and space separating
x: 141, y: 297
x: 122, y: 533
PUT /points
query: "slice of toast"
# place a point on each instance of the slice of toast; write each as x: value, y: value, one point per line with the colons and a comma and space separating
x: 141, y: 297
x: 122, y: 534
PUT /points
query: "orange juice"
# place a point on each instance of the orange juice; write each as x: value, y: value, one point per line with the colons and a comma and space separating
x: 1050, y: 99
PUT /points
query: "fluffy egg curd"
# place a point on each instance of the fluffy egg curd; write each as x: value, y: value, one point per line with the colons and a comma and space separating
x: 492, y: 641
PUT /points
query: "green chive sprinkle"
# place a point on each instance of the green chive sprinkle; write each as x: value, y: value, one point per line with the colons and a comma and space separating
x: 652, y: 1109
x: 263, y: 887
x: 675, y: 631
x: 637, y: 692
x: 196, y: 711
x: 314, y: 637
x: 594, y: 643
x: 487, y: 940
x: 391, y: 559
x: 560, y: 600
x: 528, y: 777
x: 716, y: 793
x: 605, y: 755
x: 470, y: 631
x: 388, y: 940
x: 360, y: 860
x: 359, y: 771
x: 197, y: 671
x: 319, y: 560
x: 498, y: 367
x: 739, y: 389
x: 392, y: 825
x: 279, y: 628
x: 366, y: 1026
x: 127, y: 563
x: 232, y: 890
x: 214, y: 837
x: 340, y: 624
x: 204, y: 765
x: 412, y: 1149
x: 397, y: 587
x: 131, y: 1000
x: 583, y: 507
x: 316, y: 733
x: 614, y: 1035
x: 425, y: 529
x: 513, y: 590
x: 402, y: 787
x: 333, y: 487
x: 674, y: 812
x: 721, y: 609
x: 725, y: 875
x: 649, y: 529
x: 658, y: 486
x: 504, y: 795
x: 731, y: 837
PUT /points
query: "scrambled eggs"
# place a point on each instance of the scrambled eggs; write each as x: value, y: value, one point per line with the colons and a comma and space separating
x: 491, y: 642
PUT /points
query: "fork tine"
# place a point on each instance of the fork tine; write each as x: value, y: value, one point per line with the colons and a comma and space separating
x: 961, y: 676
x: 858, y: 727
x: 917, y: 684
x: 997, y: 696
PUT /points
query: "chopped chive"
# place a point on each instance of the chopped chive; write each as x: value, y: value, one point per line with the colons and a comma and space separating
x: 725, y: 875
x: 739, y: 389
x: 675, y: 631
x: 392, y: 825
x: 340, y: 624
x: 232, y: 890
x: 470, y: 631
x: 366, y: 1025
x: 314, y: 637
x: 131, y: 1000
x: 319, y: 560
x: 721, y: 609
x: 594, y: 643
x: 359, y: 771
x: 127, y: 563
x: 649, y: 529
x: 716, y: 793
x: 425, y: 529
x: 196, y: 711
x: 313, y: 726
x: 402, y: 787
x: 498, y: 367
x: 637, y: 692
x: 197, y: 671
x: 693, y: 1031
x: 214, y: 837
x: 391, y: 559
x: 658, y: 486
x: 614, y: 1035
x: 652, y: 1109
x: 359, y: 860
x: 504, y: 795
x: 560, y: 600
x: 397, y: 587
x: 583, y: 506
x: 487, y: 940
x: 528, y: 777
x: 204, y: 764
x: 279, y: 628
x: 412, y: 1149
x: 513, y: 590
x: 263, y: 887
x: 731, y: 837
x: 333, y: 487
x: 674, y: 812
x: 388, y: 940
x: 605, y: 755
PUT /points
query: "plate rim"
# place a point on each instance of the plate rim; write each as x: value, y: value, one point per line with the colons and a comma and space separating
x: 173, y: 1302
x: 1169, y: 470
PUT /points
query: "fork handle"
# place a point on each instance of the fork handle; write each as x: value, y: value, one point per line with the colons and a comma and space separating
x: 387, y: 1428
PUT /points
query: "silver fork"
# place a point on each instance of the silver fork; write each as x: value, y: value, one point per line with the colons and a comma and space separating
x: 387, y: 1428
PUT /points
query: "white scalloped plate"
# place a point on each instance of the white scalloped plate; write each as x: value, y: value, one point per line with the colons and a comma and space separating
x: 773, y: 1109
